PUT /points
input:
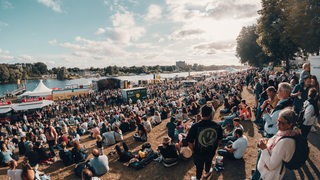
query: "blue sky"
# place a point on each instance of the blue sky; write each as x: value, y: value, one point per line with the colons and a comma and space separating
x: 99, y: 33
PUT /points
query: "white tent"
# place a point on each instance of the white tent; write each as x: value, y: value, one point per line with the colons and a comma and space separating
x: 31, y: 105
x: 5, y: 109
x: 41, y: 90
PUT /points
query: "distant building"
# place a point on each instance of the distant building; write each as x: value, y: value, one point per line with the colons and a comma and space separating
x: 84, y: 73
x: 181, y: 65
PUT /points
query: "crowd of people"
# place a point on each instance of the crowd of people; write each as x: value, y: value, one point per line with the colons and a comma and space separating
x: 103, y: 116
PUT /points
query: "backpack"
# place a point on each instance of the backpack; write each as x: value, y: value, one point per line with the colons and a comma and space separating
x: 300, y: 155
x: 301, y: 119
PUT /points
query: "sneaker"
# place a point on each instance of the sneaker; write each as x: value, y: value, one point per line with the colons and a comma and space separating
x: 194, y: 178
x: 207, y: 174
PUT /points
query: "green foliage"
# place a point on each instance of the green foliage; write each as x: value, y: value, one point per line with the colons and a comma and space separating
x: 285, y: 29
x: 248, y: 49
x: 275, y: 42
x: 4, y: 73
x: 303, y: 24
x: 40, y: 68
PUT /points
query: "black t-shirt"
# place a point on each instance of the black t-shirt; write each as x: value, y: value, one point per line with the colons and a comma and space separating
x: 33, y: 158
x: 125, y: 156
x: 206, y: 135
x: 168, y: 152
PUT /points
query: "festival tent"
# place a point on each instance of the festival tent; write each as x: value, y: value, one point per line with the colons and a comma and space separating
x: 5, y: 109
x: 31, y: 105
x: 41, y: 91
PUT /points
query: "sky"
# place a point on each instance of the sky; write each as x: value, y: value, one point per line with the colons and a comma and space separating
x: 101, y: 33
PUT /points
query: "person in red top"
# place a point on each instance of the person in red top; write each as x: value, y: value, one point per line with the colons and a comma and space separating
x: 244, y: 110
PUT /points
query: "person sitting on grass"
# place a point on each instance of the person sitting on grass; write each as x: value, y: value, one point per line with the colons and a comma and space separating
x: 227, y: 120
x: 244, y: 111
x: 141, y: 134
x: 79, y: 153
x: 99, y: 164
x: 44, y: 157
x: 65, y: 155
x: 168, y: 152
x: 171, y: 126
x: 125, y: 155
x: 5, y: 155
x: 231, y: 137
x: 156, y: 119
x: 236, y: 149
x: 183, y: 149
x: 13, y: 172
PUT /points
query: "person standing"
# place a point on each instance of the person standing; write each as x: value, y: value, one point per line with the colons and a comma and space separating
x: 270, y: 118
x: 304, y: 72
x: 257, y: 90
x: 276, y: 150
x: 51, y: 136
x: 300, y: 93
x: 311, y: 112
x: 203, y: 139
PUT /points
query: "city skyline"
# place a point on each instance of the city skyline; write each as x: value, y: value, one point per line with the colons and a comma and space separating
x: 100, y: 33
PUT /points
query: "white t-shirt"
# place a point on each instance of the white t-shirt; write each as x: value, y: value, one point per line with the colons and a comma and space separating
x: 240, y: 146
x: 147, y: 125
x: 15, y: 174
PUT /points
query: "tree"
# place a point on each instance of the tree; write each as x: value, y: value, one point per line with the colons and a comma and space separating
x: 40, y: 68
x: 248, y: 50
x: 273, y: 38
x: 4, y: 73
x: 303, y: 24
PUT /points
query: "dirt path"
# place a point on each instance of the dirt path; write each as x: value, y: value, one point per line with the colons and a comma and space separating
x: 185, y: 169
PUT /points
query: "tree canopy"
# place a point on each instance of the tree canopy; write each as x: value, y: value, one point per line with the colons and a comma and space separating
x: 284, y: 30
x: 248, y: 49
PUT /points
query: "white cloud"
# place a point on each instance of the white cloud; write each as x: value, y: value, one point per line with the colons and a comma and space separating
x: 5, y: 56
x: 53, y: 42
x: 25, y: 58
x: 154, y: 13
x: 232, y: 9
x: 213, y: 47
x: 87, y: 48
x: 55, y: 5
x: 186, y: 34
x: 124, y: 29
x: 100, y: 31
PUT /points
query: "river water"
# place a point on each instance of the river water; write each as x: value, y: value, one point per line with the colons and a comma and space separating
x: 54, y: 83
